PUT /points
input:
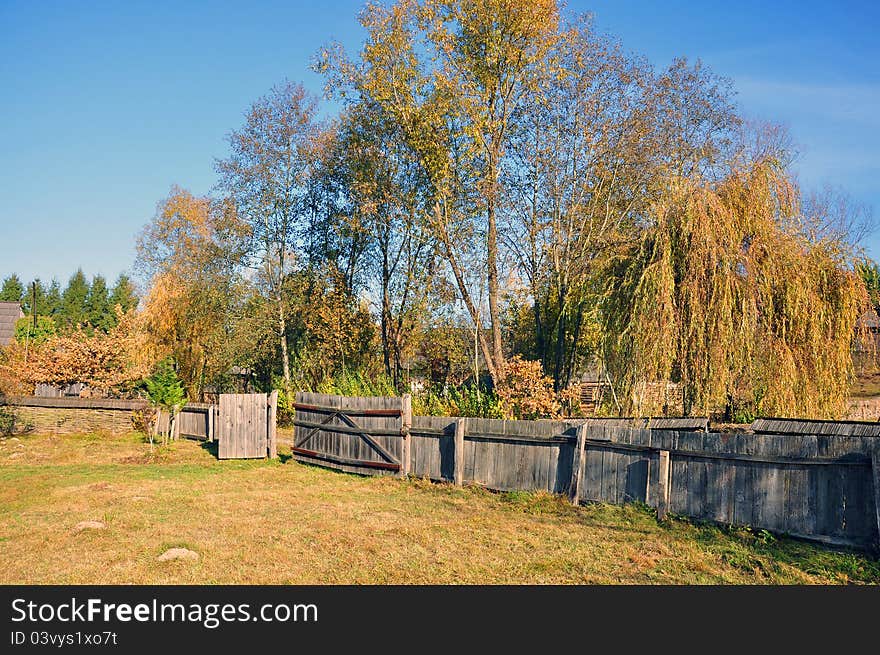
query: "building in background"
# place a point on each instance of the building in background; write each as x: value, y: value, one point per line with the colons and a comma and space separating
x: 10, y: 312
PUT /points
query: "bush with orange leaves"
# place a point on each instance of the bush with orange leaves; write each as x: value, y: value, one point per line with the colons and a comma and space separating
x: 525, y: 392
x: 107, y: 362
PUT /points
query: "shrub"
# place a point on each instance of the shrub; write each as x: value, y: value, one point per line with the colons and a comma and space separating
x: 165, y: 391
x: 525, y: 392
x: 143, y: 420
x: 476, y: 401
x: 356, y: 383
x: 25, y: 332
x: 285, y: 412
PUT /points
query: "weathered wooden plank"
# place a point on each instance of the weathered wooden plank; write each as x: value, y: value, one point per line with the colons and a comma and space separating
x: 225, y: 443
x: 211, y: 434
x: 678, y: 494
x: 609, y: 476
x: 272, y: 419
x: 875, y: 477
x: 405, y: 427
x: 577, y: 466
x: 816, y: 427
x: 664, y: 470
x: 458, y: 471
x: 352, y: 411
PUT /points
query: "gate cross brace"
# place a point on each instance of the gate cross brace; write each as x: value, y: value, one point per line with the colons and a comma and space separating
x: 348, y: 421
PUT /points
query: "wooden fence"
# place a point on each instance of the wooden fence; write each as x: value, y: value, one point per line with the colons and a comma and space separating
x: 822, y: 486
x: 358, y: 435
x: 813, y: 479
x: 246, y: 425
x: 196, y: 420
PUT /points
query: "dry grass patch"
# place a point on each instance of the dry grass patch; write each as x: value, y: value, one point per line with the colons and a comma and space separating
x: 286, y: 523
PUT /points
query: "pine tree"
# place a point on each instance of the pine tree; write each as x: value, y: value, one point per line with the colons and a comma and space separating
x: 73, y: 301
x: 166, y: 393
x: 123, y: 294
x: 13, y: 289
x: 99, y: 311
x: 53, y: 300
x: 41, y: 301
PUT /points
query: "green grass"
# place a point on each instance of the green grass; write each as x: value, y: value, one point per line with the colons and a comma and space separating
x: 278, y: 522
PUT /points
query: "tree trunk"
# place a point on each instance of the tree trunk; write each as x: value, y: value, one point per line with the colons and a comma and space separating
x: 492, y: 279
x: 559, y: 346
x: 540, y: 338
x: 466, y: 297
x: 571, y: 357
x: 282, y: 330
x: 386, y: 312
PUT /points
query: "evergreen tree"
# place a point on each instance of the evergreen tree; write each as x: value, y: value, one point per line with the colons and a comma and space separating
x: 13, y: 289
x: 166, y: 393
x: 99, y: 311
x: 53, y: 300
x: 73, y: 301
x: 123, y: 294
x: 41, y: 301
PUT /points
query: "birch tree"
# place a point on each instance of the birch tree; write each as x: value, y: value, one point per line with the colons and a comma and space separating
x: 266, y: 173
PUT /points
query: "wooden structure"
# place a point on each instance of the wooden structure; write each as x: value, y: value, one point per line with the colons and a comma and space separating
x: 814, y: 479
x: 359, y: 435
x: 10, y: 312
x: 814, y: 427
x: 822, y: 487
x: 591, y: 392
x: 195, y: 421
x: 246, y: 425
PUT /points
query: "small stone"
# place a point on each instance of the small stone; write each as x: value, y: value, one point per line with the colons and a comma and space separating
x: 178, y: 553
x: 89, y: 525
x: 15, y: 440
x: 15, y: 455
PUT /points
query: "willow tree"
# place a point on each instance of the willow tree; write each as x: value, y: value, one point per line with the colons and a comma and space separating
x: 730, y: 294
x: 586, y: 154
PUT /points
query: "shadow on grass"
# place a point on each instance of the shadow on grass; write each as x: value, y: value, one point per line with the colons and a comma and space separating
x: 211, y: 447
x: 756, y: 549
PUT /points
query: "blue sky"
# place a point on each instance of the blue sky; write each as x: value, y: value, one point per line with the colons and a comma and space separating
x: 103, y: 106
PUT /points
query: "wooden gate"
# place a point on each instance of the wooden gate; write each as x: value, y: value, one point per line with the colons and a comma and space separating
x: 246, y: 425
x: 364, y: 435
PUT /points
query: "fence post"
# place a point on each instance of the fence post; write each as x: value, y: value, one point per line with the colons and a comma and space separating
x: 577, y: 465
x: 458, y: 442
x: 663, y: 485
x: 218, y: 428
x: 875, y: 470
x: 211, y: 423
x: 405, y: 433
x: 272, y: 441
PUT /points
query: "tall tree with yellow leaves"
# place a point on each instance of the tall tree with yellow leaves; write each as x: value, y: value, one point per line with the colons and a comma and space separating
x: 450, y: 74
x: 266, y: 175
x: 190, y: 252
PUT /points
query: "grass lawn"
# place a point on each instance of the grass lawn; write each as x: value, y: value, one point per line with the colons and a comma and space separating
x: 286, y: 523
x: 866, y: 385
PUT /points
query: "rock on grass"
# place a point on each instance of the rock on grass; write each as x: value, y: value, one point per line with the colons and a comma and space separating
x: 178, y: 553
x: 89, y: 525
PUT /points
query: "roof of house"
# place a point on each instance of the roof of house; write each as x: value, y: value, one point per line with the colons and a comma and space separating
x: 10, y: 312
x: 869, y: 319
